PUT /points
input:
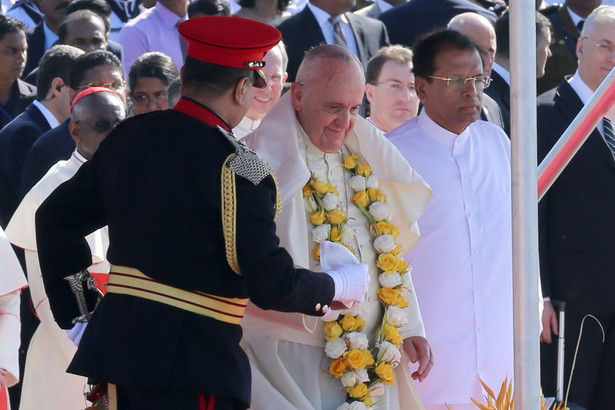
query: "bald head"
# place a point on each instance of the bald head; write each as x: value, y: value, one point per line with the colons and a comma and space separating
x: 480, y: 30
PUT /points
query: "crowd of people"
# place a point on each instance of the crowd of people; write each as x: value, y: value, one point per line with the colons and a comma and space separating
x: 276, y: 204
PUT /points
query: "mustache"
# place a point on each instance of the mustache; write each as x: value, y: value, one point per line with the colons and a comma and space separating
x: 61, y: 6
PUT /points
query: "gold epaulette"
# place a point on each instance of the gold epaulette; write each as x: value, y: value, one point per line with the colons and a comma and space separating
x: 247, y: 164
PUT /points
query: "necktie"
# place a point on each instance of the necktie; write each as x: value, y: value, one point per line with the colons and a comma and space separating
x: 609, y: 134
x: 338, y: 35
x: 580, y: 25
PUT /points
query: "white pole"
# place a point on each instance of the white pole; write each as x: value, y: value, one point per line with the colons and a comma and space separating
x: 524, y: 204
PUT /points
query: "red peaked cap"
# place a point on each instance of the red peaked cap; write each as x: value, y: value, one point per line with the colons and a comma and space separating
x: 92, y: 90
x: 229, y: 41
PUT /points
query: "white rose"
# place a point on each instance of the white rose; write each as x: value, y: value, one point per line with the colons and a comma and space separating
x: 357, y: 340
x: 377, y: 390
x: 406, y: 281
x: 321, y: 233
x: 344, y: 406
x: 357, y: 183
x: 358, y: 309
x: 384, y: 243
x: 330, y: 201
x: 347, y: 234
x: 380, y: 211
x: 389, y: 353
x: 362, y: 375
x: 335, y: 348
x: 396, y: 316
x: 331, y: 315
x: 311, y: 203
x: 357, y: 405
x: 372, y: 181
x: 349, y: 379
x: 389, y: 280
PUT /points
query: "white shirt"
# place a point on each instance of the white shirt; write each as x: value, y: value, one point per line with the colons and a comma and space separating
x: 504, y: 73
x: 327, y: 28
x: 584, y: 93
x: 245, y: 126
x: 462, y: 266
x: 51, y: 119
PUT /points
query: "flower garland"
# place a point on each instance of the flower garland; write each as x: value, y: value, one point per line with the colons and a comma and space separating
x: 360, y: 371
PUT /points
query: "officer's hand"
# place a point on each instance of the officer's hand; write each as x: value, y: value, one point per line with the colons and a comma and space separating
x: 549, y: 322
x: 418, y: 350
x: 351, y: 282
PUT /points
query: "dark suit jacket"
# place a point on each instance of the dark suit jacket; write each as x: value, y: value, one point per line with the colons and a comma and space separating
x: 409, y: 21
x: 577, y: 221
x: 51, y: 147
x: 563, y: 60
x: 15, y: 142
x: 302, y: 32
x: 491, y: 111
x: 499, y: 91
x: 36, y: 48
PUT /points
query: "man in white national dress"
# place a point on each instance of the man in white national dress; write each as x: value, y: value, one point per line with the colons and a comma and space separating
x: 342, y: 181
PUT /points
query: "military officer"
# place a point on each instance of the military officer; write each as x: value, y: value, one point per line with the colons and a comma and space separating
x: 190, y: 213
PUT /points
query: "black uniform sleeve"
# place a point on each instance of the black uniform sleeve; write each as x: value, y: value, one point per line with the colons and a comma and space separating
x: 63, y: 220
x: 268, y: 269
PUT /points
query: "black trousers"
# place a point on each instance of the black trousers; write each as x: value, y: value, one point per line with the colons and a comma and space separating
x: 129, y: 398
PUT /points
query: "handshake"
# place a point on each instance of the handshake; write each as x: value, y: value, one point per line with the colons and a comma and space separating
x: 350, y: 277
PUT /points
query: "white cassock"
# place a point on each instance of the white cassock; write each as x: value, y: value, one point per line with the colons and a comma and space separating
x: 245, y: 126
x: 12, y: 280
x: 46, y: 383
x: 286, y: 350
x: 463, y: 263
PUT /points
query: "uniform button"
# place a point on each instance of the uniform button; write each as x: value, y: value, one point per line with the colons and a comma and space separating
x: 317, y: 307
x: 325, y: 308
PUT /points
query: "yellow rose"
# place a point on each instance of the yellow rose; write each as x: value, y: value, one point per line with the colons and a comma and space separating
x: 348, y: 323
x: 350, y: 248
x: 401, y: 301
x: 336, y: 217
x: 382, y: 198
x: 316, y: 252
x: 359, y: 323
x: 356, y: 359
x: 384, y: 228
x: 395, y: 231
x: 361, y: 198
x: 350, y: 161
x: 367, y: 400
x: 332, y: 331
x: 385, y: 372
x: 358, y: 391
x: 320, y: 187
x: 373, y: 194
x: 306, y: 190
x: 364, y: 170
x: 392, y: 335
x: 369, y: 359
x: 388, y: 296
x: 332, y: 189
x: 402, y: 266
x: 337, y: 234
x: 388, y: 262
x: 397, y: 249
x: 337, y: 367
x: 317, y: 218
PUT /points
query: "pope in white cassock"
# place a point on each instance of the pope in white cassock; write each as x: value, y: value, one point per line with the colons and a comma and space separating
x: 463, y: 263
x: 12, y: 280
x: 328, y: 161
x: 46, y: 382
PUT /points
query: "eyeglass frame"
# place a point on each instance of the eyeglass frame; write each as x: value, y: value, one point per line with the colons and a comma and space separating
x: 485, y: 83
x: 158, y: 97
x: 108, y: 85
x: 608, y: 49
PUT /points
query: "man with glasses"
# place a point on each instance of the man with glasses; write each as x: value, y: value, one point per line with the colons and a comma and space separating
x: 276, y: 61
x: 463, y: 262
x: 576, y: 225
x: 100, y: 68
x: 390, y: 88
x: 95, y: 111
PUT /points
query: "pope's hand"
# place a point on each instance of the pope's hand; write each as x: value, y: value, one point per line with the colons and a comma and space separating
x: 351, y: 282
x: 549, y: 322
x: 419, y: 351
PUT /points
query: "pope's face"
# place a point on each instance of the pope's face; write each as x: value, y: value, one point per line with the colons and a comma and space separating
x: 328, y: 104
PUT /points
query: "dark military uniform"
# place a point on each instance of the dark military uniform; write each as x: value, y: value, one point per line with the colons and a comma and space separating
x: 156, y: 181
x: 563, y: 60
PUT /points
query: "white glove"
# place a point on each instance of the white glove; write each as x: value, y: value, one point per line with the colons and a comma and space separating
x: 350, y: 277
x: 76, y: 332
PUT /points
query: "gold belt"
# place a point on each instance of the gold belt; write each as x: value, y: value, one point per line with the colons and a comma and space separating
x: 130, y: 281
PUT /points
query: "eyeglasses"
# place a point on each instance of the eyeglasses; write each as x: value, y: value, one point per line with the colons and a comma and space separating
x: 398, y: 86
x: 458, y: 81
x: 101, y: 125
x: 605, y: 49
x: 116, y: 85
x: 145, y: 99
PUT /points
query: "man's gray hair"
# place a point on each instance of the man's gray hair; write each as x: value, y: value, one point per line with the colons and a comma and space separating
x: 90, y: 104
x: 600, y: 15
x: 308, y: 69
x: 282, y: 47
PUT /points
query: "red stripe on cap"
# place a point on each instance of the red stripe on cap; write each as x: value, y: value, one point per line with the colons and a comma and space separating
x: 92, y: 90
